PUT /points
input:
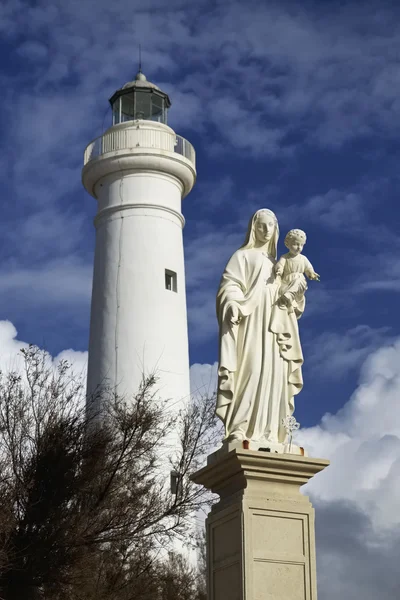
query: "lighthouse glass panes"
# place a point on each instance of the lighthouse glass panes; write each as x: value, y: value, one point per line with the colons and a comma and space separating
x: 127, y: 107
x: 139, y: 104
x: 158, y: 109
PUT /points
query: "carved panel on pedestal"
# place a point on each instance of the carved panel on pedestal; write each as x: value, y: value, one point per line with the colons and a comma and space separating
x: 277, y: 533
x: 280, y: 549
x: 276, y: 580
x: 225, y: 546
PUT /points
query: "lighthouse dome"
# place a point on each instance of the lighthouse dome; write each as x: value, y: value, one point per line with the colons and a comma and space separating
x: 140, y: 81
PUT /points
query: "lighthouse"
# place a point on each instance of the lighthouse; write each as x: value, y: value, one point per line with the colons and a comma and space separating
x: 139, y: 171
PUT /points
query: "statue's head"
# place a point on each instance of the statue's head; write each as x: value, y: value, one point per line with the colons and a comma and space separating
x: 295, y: 240
x: 263, y: 230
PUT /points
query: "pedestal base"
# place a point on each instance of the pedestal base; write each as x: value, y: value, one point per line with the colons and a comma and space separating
x: 260, y: 535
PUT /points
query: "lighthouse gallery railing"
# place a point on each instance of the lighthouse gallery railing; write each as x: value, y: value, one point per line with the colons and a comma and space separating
x: 132, y: 137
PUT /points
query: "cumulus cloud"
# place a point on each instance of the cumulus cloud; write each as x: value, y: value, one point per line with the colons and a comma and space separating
x: 363, y: 440
x: 357, y: 497
x: 12, y: 360
x: 353, y: 559
x: 10, y: 347
x: 203, y: 379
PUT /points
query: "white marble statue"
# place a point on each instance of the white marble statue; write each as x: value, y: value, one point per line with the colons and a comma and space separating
x: 291, y: 268
x: 260, y: 352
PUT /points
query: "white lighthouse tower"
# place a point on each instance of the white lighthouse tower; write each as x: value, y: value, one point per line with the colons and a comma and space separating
x: 139, y: 171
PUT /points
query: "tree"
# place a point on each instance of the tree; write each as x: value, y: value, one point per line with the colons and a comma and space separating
x: 85, y: 512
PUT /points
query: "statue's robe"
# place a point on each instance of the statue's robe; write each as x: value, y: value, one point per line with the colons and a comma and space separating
x: 260, y: 358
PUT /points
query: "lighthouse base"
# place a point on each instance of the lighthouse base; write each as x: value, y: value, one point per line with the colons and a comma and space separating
x: 260, y: 535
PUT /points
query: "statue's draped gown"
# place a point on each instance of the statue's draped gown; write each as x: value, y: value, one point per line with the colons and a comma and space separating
x: 260, y: 358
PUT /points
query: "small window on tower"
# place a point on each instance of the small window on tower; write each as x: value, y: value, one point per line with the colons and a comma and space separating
x: 171, y: 281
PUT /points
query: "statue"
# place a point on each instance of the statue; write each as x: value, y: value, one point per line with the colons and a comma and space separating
x: 258, y: 304
x: 290, y: 268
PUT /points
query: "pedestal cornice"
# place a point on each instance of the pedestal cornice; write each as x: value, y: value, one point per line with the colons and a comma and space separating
x: 236, y: 470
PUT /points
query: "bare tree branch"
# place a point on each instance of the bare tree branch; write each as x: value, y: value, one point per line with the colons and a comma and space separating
x: 86, y: 512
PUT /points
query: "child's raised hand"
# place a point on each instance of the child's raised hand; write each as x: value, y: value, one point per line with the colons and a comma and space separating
x: 315, y: 276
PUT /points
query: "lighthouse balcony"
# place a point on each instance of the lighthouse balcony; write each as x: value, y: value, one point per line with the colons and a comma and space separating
x: 138, y: 145
x: 139, y: 134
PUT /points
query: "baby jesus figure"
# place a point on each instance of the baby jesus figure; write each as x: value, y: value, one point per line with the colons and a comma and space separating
x: 291, y: 268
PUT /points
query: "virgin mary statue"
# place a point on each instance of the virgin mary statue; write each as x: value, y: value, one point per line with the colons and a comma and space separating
x: 260, y: 353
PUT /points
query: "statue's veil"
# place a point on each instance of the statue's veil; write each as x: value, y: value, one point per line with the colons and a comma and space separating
x: 251, y: 237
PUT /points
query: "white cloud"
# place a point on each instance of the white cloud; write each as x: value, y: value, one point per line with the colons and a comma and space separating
x: 363, y: 442
x: 78, y: 361
x: 203, y: 379
x: 12, y: 360
x: 354, y: 560
x: 10, y: 347
x: 332, y: 355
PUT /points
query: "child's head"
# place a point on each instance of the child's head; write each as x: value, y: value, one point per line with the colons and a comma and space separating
x: 295, y: 240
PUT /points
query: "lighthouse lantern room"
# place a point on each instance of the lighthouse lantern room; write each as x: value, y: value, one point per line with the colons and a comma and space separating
x: 139, y: 99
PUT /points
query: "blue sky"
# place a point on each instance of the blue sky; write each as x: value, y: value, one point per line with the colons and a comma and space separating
x: 290, y: 106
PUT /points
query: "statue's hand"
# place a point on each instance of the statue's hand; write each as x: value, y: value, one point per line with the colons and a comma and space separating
x: 233, y: 314
x: 314, y: 276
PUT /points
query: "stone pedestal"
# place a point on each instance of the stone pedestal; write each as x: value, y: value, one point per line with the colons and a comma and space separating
x: 260, y: 535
